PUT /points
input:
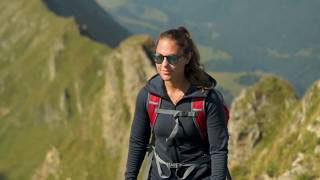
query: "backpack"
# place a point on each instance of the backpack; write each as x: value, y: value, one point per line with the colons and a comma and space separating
x: 197, y: 112
x: 197, y: 104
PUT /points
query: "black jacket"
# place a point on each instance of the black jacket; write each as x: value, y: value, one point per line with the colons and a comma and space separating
x: 188, y: 145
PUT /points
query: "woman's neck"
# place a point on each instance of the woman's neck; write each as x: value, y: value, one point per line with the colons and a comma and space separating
x: 176, y: 86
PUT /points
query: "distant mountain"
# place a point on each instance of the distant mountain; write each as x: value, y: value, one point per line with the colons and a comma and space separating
x: 275, y: 36
x: 93, y: 21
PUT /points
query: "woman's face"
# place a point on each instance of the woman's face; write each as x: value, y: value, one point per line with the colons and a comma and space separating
x: 167, y: 71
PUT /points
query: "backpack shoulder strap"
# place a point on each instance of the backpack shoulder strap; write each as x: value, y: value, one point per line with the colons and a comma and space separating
x: 153, y: 103
x: 225, y: 108
x: 197, y: 106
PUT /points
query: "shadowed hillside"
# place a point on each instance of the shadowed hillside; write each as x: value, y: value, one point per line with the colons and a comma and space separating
x: 93, y: 21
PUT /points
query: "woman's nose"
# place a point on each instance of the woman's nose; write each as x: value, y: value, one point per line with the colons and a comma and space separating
x: 165, y: 62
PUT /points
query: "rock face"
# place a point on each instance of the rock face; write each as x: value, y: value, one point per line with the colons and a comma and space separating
x: 276, y: 137
x: 253, y: 111
x: 128, y: 68
x: 50, y: 166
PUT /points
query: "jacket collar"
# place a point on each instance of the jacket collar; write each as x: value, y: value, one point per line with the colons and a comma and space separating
x: 155, y: 85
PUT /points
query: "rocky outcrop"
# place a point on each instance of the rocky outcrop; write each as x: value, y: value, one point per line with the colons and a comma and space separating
x: 128, y: 68
x: 253, y: 111
x: 290, y: 150
x: 50, y: 166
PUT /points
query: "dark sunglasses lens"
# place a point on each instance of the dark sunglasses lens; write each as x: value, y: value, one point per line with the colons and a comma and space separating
x: 172, y: 59
x: 158, y: 58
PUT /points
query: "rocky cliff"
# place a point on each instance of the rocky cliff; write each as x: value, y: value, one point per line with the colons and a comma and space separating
x: 127, y: 69
x: 273, y: 135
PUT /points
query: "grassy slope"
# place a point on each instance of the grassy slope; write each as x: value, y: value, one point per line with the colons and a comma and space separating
x: 50, y: 82
x: 284, y: 138
x: 294, y: 138
x: 271, y: 98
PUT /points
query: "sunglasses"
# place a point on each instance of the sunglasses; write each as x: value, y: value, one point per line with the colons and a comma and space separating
x: 158, y: 58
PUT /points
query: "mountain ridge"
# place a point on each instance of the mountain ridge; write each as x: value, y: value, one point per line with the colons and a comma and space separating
x: 92, y: 20
x: 279, y: 143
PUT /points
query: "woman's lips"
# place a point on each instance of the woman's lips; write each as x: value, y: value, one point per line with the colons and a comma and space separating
x: 166, y: 72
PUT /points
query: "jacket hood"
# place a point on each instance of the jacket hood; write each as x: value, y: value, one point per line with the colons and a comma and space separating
x: 155, y: 85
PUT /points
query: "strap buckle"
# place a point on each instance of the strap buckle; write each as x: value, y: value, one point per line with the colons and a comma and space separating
x: 174, y: 165
x: 184, y: 113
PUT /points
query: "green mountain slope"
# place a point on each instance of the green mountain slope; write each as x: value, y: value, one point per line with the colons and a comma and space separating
x: 50, y: 76
x: 57, y: 118
x: 273, y: 134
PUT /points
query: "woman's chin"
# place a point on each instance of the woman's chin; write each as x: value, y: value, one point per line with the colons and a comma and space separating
x: 165, y: 77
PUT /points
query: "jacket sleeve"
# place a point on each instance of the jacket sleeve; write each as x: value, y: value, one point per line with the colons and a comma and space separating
x: 139, y: 137
x: 217, y: 136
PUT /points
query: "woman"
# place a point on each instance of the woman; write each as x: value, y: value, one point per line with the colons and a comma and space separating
x: 180, y: 151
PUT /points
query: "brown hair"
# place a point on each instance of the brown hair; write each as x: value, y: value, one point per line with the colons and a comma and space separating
x: 193, y: 70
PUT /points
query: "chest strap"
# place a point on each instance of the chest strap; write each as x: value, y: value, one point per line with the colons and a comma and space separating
x: 176, y: 114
